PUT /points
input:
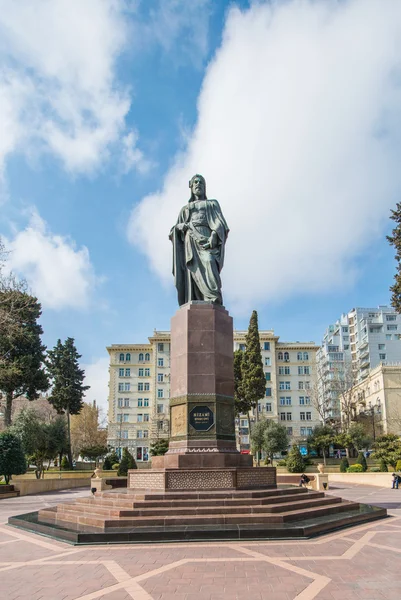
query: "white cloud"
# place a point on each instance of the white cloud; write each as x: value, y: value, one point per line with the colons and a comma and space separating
x: 97, y: 376
x: 59, y: 274
x: 58, y: 87
x: 299, y: 137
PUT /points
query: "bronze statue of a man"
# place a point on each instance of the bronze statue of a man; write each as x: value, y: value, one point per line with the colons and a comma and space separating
x: 199, y: 237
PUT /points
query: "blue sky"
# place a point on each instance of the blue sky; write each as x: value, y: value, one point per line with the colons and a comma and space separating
x: 287, y: 108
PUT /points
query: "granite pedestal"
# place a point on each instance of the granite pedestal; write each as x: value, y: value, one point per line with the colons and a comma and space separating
x: 202, y: 451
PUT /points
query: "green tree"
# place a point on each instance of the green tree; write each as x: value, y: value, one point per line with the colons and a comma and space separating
x: 93, y: 453
x: 110, y: 460
x: 12, y: 459
x: 57, y: 439
x: 253, y: 378
x: 240, y: 404
x: 258, y: 438
x: 67, y: 379
x: 388, y: 448
x: 344, y: 464
x: 127, y: 462
x: 159, y: 447
x: 361, y: 460
x: 295, y: 462
x: 383, y: 466
x: 321, y: 438
x: 21, y: 350
x: 395, y: 240
x: 276, y: 439
x: 34, y: 437
x: 359, y: 438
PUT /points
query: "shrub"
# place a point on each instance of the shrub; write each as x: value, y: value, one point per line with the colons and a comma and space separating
x: 361, y: 460
x: 115, y: 466
x: 110, y: 460
x: 383, y: 466
x: 159, y: 448
x: 344, y: 464
x: 375, y: 470
x: 65, y: 464
x: 280, y: 463
x: 12, y: 459
x: 295, y: 462
x: 355, y: 468
x: 127, y: 462
x: 398, y: 465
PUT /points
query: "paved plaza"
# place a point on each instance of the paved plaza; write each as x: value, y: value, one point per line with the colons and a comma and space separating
x: 362, y: 562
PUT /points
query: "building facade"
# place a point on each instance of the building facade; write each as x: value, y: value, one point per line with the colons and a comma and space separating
x: 355, y: 344
x: 139, y: 391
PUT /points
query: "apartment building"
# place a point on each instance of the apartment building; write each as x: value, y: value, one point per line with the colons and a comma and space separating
x: 355, y: 344
x: 139, y: 390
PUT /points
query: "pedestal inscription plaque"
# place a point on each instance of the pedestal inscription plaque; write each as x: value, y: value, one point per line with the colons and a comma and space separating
x: 201, y: 418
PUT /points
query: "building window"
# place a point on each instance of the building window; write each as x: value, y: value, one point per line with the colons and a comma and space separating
x: 160, y: 425
x: 120, y: 402
x: 145, y: 433
x: 160, y: 347
x: 306, y: 356
x: 119, y: 418
x: 391, y: 317
x: 160, y: 377
x: 243, y: 422
x: 268, y: 406
x: 280, y: 356
x: 392, y: 327
x: 160, y: 362
x: 303, y: 431
x: 124, y: 434
x: 288, y: 385
x: 382, y: 356
x: 345, y: 329
x: 382, y: 346
x: 282, y: 416
x: 267, y: 361
x: 146, y: 417
x: 160, y: 408
x: 126, y: 402
x: 300, y: 385
x: 128, y: 357
x: 160, y: 393
x: 285, y: 400
x: 139, y: 433
x: 388, y: 336
x: 139, y: 418
x: 126, y: 418
x: 127, y: 387
x: 128, y: 372
x: 142, y: 454
x: 284, y: 371
x: 289, y: 416
x: 266, y: 346
x: 289, y: 430
x: 286, y: 356
x: 302, y: 416
x: 140, y: 402
x: 281, y: 385
x: 299, y: 356
x: 307, y: 400
x: 282, y: 401
x: 140, y: 372
x: 346, y: 346
x: 242, y: 347
x: 140, y: 387
x: 121, y: 372
x: 309, y: 416
x: 147, y: 357
x: 309, y: 430
x: 141, y: 357
x: 307, y: 385
x: 146, y: 402
x: 120, y: 387
x: 121, y: 357
x: 147, y: 387
x: 147, y: 372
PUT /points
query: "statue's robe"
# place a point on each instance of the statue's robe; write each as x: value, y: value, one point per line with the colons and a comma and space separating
x: 196, y: 270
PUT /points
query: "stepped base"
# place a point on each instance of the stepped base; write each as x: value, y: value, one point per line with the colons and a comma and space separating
x: 8, y: 491
x: 122, y: 517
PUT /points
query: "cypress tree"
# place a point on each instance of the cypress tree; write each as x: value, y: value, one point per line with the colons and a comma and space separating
x: 240, y: 404
x: 12, y: 458
x: 295, y: 462
x: 67, y: 378
x: 395, y: 240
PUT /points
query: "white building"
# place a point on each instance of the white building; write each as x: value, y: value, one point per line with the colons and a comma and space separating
x: 358, y: 342
x: 139, y: 390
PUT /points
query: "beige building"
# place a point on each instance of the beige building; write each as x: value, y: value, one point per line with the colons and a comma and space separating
x: 377, y: 400
x: 139, y: 390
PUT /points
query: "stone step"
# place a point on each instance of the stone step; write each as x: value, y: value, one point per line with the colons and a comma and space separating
x: 8, y: 491
x: 209, y: 494
x: 9, y: 495
x: 144, y: 510
x: 120, y: 500
x: 70, y: 516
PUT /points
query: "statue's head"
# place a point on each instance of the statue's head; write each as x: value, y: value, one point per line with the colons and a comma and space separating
x: 197, y: 184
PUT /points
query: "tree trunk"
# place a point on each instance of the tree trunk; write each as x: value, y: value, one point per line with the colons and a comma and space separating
x: 324, y: 456
x: 7, y: 412
x: 69, y: 437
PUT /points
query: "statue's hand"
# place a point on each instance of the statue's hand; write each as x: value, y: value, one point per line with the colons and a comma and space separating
x: 182, y: 227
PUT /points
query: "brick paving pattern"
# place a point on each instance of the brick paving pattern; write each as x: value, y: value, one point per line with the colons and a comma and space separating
x: 359, y: 563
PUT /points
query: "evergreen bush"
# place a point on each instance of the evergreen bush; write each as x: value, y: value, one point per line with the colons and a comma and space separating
x: 110, y: 460
x: 361, y: 460
x: 355, y: 468
x: 127, y: 462
x: 65, y: 464
x: 383, y: 466
x: 12, y: 459
x: 344, y: 464
x: 398, y: 465
x: 115, y: 466
x: 295, y: 462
